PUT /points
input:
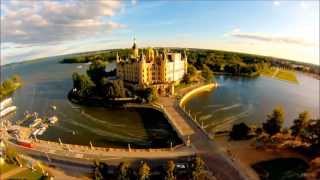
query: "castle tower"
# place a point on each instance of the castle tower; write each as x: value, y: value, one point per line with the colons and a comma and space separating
x: 142, y: 65
x: 150, y: 54
x: 135, y: 50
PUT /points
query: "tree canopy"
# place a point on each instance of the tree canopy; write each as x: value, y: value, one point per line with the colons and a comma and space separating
x: 300, y: 123
x: 274, y: 121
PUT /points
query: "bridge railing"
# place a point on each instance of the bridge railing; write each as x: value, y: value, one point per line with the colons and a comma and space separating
x: 179, y: 106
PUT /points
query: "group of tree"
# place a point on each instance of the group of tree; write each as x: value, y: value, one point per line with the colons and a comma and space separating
x: 243, y: 64
x: 147, y: 94
x: 191, y: 73
x: 96, y: 82
x: 105, y: 56
x: 9, y: 85
x: 195, y: 169
x: 305, y: 128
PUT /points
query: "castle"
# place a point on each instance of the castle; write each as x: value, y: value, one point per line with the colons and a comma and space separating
x: 150, y: 68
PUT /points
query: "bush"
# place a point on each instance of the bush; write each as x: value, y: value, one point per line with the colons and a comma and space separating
x: 240, y: 131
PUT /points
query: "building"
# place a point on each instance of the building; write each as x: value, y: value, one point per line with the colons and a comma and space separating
x: 151, y: 68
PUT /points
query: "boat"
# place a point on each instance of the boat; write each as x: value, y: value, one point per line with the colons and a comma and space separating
x: 7, y: 110
x: 79, y: 67
x: 5, y: 103
x: 35, y: 122
x: 35, y: 132
x: 41, y: 131
x: 25, y: 143
x: 53, y: 119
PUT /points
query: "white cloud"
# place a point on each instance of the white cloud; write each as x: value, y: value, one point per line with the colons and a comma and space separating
x: 276, y: 3
x: 35, y: 22
x: 270, y: 38
x: 133, y: 2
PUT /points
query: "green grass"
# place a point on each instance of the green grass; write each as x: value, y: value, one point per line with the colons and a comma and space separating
x: 6, y: 167
x: 27, y: 174
x: 287, y: 75
x: 268, y: 71
x: 284, y: 75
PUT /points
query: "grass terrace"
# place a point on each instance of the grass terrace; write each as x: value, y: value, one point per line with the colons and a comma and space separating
x: 280, y: 74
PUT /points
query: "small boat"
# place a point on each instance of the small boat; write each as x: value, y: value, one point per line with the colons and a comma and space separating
x: 25, y: 143
x: 7, y: 110
x: 35, y: 122
x: 42, y: 130
x: 53, y: 119
x: 35, y: 132
x: 5, y: 103
x: 79, y: 67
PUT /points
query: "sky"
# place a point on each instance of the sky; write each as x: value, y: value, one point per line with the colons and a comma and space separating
x: 35, y: 29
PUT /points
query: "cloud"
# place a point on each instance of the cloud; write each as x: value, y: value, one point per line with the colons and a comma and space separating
x: 270, y: 38
x: 133, y: 2
x: 41, y: 22
x: 276, y: 3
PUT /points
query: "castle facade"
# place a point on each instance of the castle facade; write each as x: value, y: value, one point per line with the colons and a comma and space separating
x: 151, y: 68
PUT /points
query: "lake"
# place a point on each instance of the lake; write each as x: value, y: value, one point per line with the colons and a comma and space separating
x: 249, y: 100
x: 47, y: 82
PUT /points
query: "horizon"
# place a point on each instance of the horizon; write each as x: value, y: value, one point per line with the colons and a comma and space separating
x: 278, y: 29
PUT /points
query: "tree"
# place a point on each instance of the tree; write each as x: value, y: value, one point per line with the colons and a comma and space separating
x: 148, y: 94
x: 82, y: 83
x: 274, y: 121
x: 124, y: 172
x: 186, y: 78
x: 311, y: 133
x: 97, y: 71
x: 191, y: 70
x: 170, y: 172
x: 197, y: 168
x: 144, y: 171
x: 100, y: 170
x: 300, y: 123
x: 239, y: 131
x: 207, y: 73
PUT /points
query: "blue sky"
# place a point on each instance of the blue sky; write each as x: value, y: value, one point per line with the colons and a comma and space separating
x: 286, y: 29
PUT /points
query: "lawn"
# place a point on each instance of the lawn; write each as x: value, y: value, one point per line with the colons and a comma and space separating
x: 287, y: 75
x: 27, y: 174
x: 281, y: 74
x: 268, y: 71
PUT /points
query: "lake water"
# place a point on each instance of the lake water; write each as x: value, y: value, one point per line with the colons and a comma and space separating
x: 243, y: 99
x: 46, y: 83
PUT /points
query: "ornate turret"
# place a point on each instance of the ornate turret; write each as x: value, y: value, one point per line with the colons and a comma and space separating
x: 135, y: 50
x: 150, y: 54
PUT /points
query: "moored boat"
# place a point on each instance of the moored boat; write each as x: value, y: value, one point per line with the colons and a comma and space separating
x: 36, y: 122
x: 7, y: 111
x: 53, y: 119
x: 5, y: 103
x: 25, y: 143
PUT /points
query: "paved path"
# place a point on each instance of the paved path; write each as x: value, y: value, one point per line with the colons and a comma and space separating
x: 12, y: 172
